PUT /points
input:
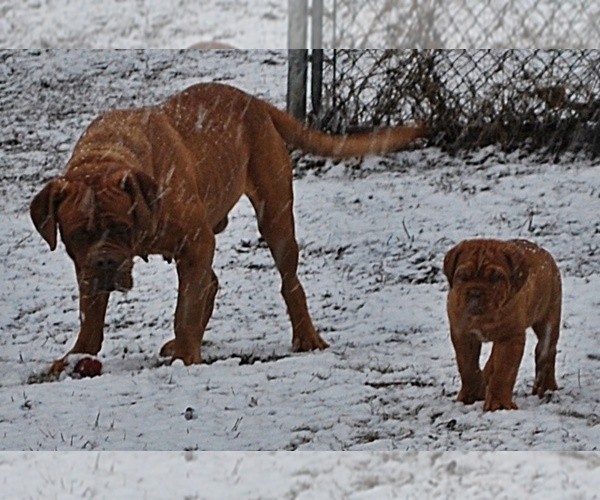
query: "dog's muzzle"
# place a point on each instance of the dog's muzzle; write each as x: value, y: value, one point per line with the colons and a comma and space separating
x: 476, y: 301
x: 109, y: 272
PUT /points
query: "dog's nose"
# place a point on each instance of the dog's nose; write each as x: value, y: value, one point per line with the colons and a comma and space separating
x: 106, y: 263
x: 475, y: 300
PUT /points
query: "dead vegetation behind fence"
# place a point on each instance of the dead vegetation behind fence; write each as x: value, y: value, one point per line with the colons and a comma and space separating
x: 429, y: 24
x: 543, y: 100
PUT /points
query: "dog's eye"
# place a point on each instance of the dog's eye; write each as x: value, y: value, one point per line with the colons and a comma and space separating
x: 81, y: 235
x: 494, y: 277
x: 463, y: 276
x: 121, y: 233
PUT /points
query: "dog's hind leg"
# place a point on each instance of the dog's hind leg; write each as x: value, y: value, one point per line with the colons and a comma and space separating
x: 545, y: 355
x: 269, y: 188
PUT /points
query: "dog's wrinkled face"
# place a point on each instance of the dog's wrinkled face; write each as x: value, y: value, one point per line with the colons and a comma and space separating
x: 96, y: 225
x: 483, y: 275
x: 101, y: 219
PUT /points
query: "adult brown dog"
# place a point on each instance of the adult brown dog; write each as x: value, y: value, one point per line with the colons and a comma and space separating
x: 497, y: 290
x: 163, y: 179
x: 211, y: 45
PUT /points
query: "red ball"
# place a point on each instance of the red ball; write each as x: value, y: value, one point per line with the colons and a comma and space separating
x: 88, y: 367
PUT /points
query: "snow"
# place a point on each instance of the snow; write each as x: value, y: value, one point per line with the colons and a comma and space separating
x: 319, y: 475
x: 372, y: 236
x: 139, y: 24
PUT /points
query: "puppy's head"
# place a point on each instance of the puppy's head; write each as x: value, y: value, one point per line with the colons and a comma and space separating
x: 101, y: 215
x: 483, y: 275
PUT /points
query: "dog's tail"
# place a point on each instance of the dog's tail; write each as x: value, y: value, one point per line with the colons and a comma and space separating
x: 386, y: 140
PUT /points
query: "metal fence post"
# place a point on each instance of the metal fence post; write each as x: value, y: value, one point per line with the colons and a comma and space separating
x: 316, y: 79
x: 297, y: 57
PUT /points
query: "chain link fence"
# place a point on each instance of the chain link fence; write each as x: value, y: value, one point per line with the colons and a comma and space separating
x: 543, y: 98
x: 430, y: 24
x: 531, y: 99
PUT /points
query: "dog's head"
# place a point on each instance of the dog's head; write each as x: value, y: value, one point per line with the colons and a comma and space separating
x: 483, y: 275
x: 102, y: 215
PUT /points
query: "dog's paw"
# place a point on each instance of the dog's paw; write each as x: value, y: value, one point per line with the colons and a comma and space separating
x: 468, y: 397
x: 309, y: 343
x: 492, y: 404
x: 189, y: 356
x: 58, y: 367
x: 168, y: 350
x: 543, y: 384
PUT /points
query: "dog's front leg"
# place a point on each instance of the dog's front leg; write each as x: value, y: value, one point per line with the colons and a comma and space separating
x: 501, y: 373
x: 92, y: 311
x: 196, y: 295
x: 468, y: 350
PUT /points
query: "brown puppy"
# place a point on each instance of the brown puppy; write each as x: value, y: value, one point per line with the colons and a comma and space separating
x: 163, y: 179
x: 497, y: 290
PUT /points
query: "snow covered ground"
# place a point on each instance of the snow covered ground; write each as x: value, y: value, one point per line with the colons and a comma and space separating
x: 301, y: 476
x: 372, y: 241
x: 133, y: 24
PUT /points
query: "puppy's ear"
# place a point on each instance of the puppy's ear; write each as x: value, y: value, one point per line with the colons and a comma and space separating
x: 43, y: 210
x: 518, y: 269
x: 143, y: 190
x: 450, y: 262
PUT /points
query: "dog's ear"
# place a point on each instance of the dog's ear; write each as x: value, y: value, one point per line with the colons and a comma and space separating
x: 145, y: 195
x: 518, y: 269
x: 450, y: 261
x: 43, y: 210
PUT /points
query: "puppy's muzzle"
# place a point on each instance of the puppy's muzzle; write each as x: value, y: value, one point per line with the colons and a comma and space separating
x: 476, y: 301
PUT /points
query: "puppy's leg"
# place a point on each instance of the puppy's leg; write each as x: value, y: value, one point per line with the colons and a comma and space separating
x: 270, y: 191
x: 545, y: 355
x: 468, y: 350
x: 501, y: 371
